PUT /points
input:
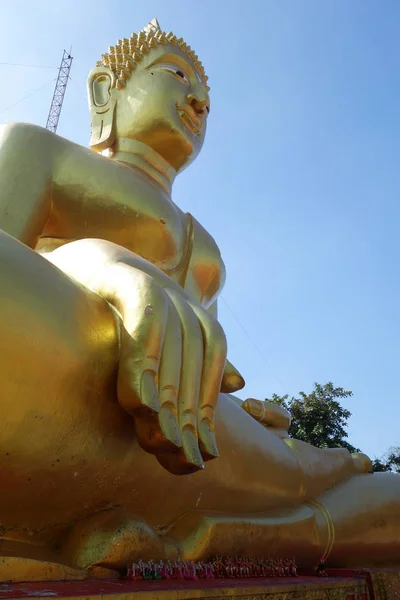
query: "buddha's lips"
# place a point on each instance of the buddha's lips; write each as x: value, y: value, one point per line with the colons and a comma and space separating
x: 190, y: 119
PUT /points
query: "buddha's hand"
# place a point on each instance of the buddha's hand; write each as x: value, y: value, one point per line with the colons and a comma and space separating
x: 172, y: 362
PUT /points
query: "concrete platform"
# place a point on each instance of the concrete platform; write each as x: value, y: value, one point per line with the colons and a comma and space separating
x: 298, y: 588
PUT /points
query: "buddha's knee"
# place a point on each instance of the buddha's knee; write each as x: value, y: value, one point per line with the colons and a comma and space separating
x: 112, y: 539
x: 365, y: 515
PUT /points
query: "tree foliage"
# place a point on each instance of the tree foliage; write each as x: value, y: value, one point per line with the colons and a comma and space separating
x: 389, y: 462
x: 319, y: 418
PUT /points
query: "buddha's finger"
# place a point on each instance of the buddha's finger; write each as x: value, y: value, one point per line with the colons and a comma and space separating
x: 190, y: 377
x: 169, y: 377
x: 143, y: 305
x: 214, y: 358
x: 232, y: 381
x: 159, y: 433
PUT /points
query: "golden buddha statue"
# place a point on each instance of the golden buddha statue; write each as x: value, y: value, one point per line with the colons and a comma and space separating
x: 120, y: 437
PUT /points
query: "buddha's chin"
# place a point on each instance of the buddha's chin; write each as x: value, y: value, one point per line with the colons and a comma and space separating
x: 191, y: 145
x: 176, y: 147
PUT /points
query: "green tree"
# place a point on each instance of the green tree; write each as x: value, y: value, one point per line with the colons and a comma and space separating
x: 319, y: 418
x: 389, y: 462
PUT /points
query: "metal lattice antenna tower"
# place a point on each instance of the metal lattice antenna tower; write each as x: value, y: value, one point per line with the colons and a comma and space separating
x: 59, y: 92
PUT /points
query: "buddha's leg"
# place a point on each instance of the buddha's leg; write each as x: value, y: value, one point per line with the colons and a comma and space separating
x: 253, y: 497
x: 355, y: 524
x: 365, y: 514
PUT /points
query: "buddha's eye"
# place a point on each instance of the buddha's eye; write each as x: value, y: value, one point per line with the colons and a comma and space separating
x: 175, y: 71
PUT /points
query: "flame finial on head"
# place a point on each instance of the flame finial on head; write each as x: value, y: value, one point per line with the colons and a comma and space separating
x: 154, y: 26
x: 127, y: 53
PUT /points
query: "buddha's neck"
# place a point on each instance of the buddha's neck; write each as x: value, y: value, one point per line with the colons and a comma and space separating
x: 137, y: 154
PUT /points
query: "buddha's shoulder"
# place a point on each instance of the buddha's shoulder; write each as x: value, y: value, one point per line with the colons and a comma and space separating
x: 30, y: 136
x: 25, y: 129
x: 60, y: 152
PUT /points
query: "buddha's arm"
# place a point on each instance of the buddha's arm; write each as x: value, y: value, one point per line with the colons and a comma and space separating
x: 26, y: 167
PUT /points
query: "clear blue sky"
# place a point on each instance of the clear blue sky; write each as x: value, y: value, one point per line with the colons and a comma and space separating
x: 298, y: 181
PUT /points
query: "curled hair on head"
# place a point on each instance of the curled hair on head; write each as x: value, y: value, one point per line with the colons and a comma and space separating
x: 127, y: 53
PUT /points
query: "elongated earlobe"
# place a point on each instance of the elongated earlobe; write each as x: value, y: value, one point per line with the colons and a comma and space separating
x: 102, y: 101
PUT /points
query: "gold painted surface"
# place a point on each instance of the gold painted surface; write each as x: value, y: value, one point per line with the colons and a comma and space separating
x: 120, y: 437
x: 26, y: 569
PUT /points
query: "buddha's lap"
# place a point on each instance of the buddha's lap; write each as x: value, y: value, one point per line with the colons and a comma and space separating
x: 90, y: 457
x: 95, y: 437
x: 59, y: 412
x: 59, y: 351
x: 61, y: 423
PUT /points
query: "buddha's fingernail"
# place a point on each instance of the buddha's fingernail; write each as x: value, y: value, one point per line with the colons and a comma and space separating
x: 169, y: 426
x: 246, y: 406
x: 253, y: 407
x: 191, y: 448
x: 148, y: 391
x: 207, y: 436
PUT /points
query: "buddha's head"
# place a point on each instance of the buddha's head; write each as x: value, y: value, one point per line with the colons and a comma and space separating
x: 151, y: 88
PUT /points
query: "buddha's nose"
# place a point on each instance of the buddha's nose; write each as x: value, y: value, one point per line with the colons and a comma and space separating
x: 200, y: 107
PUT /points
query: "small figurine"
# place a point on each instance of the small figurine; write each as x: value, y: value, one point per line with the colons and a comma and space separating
x: 271, y: 568
x: 286, y: 568
x: 293, y: 568
x: 229, y: 567
x: 320, y: 568
x: 209, y: 569
x: 178, y: 569
x: 188, y: 570
x: 200, y: 572
x: 133, y: 572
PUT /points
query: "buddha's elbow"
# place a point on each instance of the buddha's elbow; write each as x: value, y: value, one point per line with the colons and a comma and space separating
x: 26, y: 173
x: 21, y: 139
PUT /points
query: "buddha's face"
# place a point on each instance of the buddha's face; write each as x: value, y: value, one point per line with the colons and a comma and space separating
x: 165, y: 104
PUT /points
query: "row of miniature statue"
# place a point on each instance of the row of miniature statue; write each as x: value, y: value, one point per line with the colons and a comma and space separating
x: 218, y: 568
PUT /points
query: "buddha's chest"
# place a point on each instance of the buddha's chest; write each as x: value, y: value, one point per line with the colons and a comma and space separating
x: 109, y: 201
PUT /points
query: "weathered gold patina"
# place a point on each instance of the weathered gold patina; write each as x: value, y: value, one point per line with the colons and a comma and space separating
x: 119, y: 434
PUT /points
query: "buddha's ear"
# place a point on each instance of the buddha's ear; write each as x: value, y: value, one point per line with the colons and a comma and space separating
x: 102, y: 100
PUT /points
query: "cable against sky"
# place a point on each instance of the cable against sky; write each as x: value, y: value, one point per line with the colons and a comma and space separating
x: 10, y: 64
x: 253, y: 343
x: 27, y: 96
